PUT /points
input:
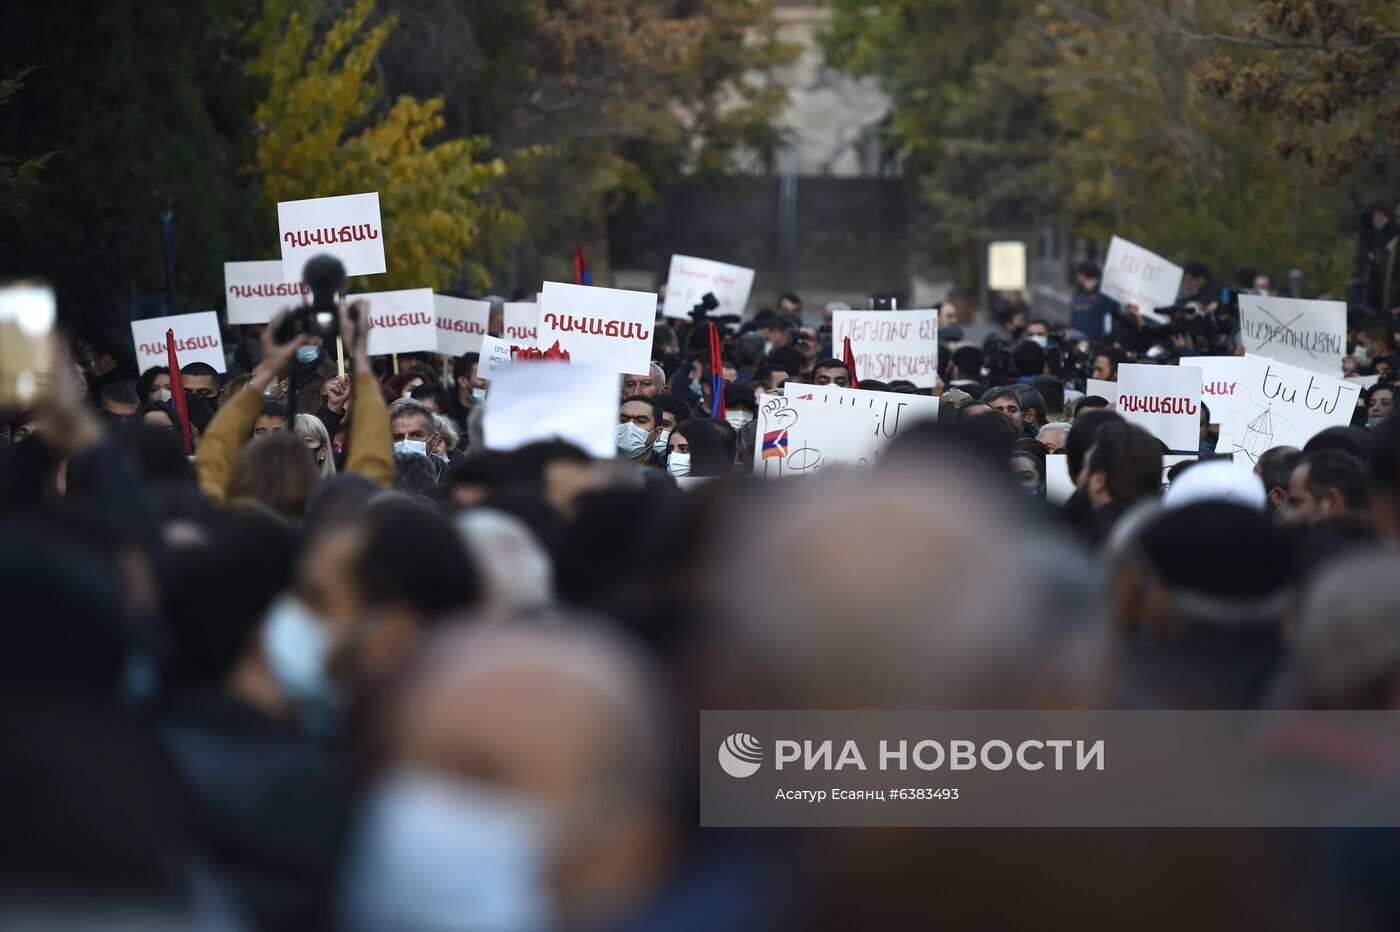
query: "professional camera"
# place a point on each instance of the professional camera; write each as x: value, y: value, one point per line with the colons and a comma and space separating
x: 324, y: 276
x: 707, y: 304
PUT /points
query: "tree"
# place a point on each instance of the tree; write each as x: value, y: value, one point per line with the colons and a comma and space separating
x: 323, y: 129
x: 18, y: 179
x: 1325, y: 74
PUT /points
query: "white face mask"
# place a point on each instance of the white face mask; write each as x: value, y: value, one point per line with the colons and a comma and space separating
x: 678, y: 464
x: 439, y: 854
x: 659, y: 447
x: 308, y: 354
x: 161, y: 395
x: 413, y: 447
x: 631, y: 440
x: 478, y: 395
x: 1040, y: 341
x: 737, y: 419
x: 297, y: 644
x: 1360, y: 354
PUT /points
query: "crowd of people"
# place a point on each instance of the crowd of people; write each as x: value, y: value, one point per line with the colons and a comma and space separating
x: 346, y: 667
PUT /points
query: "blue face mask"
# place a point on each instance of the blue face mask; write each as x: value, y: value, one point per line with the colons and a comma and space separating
x: 297, y: 644
x: 412, y: 447
x: 306, y: 355
x: 436, y: 852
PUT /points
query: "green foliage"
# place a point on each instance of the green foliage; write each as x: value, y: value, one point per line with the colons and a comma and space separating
x: 18, y: 180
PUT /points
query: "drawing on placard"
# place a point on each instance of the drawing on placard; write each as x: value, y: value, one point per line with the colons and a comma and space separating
x: 1259, y: 435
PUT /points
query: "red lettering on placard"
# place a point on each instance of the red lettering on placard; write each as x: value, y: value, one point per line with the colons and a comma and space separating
x: 1156, y: 404
x: 598, y: 327
x: 328, y: 236
x: 400, y: 320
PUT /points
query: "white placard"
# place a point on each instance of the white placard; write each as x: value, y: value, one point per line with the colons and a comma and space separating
x: 399, y: 321
x: 890, y: 345
x: 347, y: 227
x: 520, y: 323
x: 256, y: 291
x: 1171, y: 459
x: 799, y: 437
x: 1006, y: 266
x: 1310, y: 334
x: 197, y: 339
x: 1101, y: 387
x: 603, y: 326
x: 536, y: 400
x: 1164, y: 400
x: 1059, y: 485
x: 1133, y: 275
x: 1261, y: 403
x: 690, y: 279
x: 460, y: 324
x: 495, y: 356
x: 892, y: 411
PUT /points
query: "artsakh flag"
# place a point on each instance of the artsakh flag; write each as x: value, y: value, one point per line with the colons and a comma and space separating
x: 775, y: 443
x: 581, y: 273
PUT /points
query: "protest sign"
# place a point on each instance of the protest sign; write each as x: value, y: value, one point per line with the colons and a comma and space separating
x: 1006, y: 266
x: 574, y: 402
x: 460, y: 324
x: 346, y: 227
x: 801, y: 437
x: 1059, y: 484
x: 520, y: 324
x: 690, y: 279
x: 1310, y: 334
x: 1171, y: 459
x: 1133, y: 275
x: 891, y: 411
x: 399, y: 321
x: 495, y: 356
x: 605, y: 326
x: 890, y: 345
x: 256, y: 291
x: 1103, y: 388
x: 1261, y: 403
x: 197, y: 339
x: 1165, y: 400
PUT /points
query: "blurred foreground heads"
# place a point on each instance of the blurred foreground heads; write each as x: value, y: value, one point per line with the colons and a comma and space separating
x: 523, y: 789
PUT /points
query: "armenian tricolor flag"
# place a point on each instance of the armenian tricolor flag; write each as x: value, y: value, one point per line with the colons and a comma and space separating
x: 581, y: 274
x: 775, y: 443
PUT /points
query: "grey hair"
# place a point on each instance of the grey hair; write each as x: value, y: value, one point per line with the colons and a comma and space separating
x: 309, y: 425
x: 1054, y: 425
x: 450, y: 435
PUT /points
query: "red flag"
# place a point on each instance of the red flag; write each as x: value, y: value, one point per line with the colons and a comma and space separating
x: 716, y: 374
x: 581, y: 274
x: 849, y: 358
x: 177, y: 391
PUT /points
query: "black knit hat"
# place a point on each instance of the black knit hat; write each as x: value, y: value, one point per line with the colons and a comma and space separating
x: 1220, y: 550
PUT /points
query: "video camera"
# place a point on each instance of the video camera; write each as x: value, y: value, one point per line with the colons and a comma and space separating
x: 325, y: 277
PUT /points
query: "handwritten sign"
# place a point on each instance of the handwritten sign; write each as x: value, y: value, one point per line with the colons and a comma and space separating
x: 400, y: 321
x: 346, y: 227
x: 1165, y: 400
x: 520, y: 324
x: 1270, y: 403
x: 256, y: 291
x: 460, y: 324
x: 606, y: 326
x: 890, y: 345
x: 1310, y: 334
x: 802, y: 437
x: 1006, y: 266
x: 1133, y: 275
x: 891, y: 411
x: 197, y: 339
x: 495, y: 356
x: 690, y: 279
x: 534, y: 401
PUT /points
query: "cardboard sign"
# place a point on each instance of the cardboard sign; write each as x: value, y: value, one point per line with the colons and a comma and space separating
x: 1165, y: 400
x: 520, y: 324
x: 1310, y: 334
x: 1101, y: 387
x: 400, y: 321
x: 197, y: 339
x: 690, y: 279
x: 890, y: 345
x: 891, y: 411
x: 495, y: 356
x: 460, y: 324
x: 1262, y: 403
x: 604, y: 326
x: 533, y: 401
x: 1006, y: 266
x: 801, y: 437
x: 256, y: 291
x: 346, y: 227
x: 1133, y: 275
